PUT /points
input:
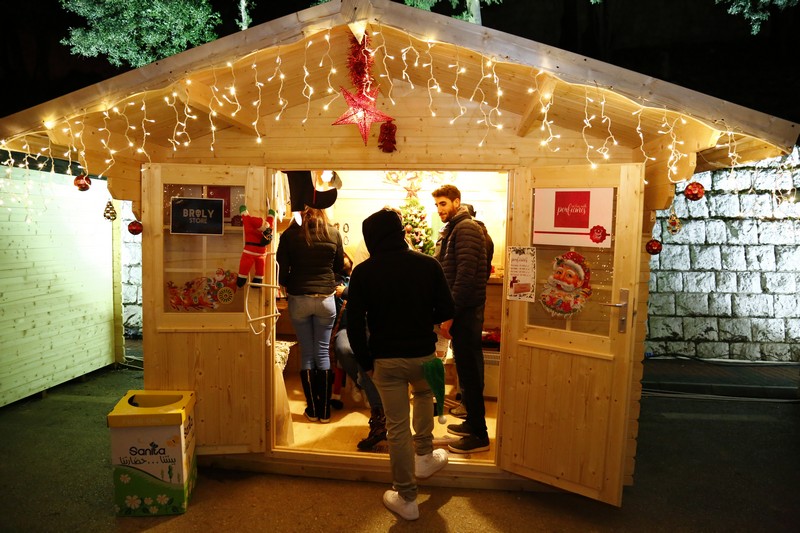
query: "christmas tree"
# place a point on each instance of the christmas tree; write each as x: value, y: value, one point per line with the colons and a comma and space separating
x: 418, y: 232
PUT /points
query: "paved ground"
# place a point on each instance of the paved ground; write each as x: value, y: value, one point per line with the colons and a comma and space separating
x: 703, y: 465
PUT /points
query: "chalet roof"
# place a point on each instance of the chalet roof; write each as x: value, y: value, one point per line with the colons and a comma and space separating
x: 301, y: 60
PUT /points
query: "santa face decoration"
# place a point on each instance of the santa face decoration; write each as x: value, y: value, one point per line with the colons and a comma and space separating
x: 567, y: 289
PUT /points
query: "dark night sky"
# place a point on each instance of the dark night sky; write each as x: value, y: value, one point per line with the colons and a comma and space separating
x: 693, y: 43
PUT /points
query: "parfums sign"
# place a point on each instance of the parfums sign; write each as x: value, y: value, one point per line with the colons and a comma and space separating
x: 573, y: 217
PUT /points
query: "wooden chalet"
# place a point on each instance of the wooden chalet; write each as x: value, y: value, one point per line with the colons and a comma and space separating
x: 507, y: 119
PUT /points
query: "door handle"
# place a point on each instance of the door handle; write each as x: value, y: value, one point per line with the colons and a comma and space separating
x: 622, y: 305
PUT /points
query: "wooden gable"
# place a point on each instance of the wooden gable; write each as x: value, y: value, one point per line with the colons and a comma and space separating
x: 462, y: 95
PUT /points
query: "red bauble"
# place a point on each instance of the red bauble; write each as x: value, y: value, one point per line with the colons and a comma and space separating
x: 386, y: 140
x: 82, y: 182
x: 694, y: 191
x: 653, y: 247
x: 135, y: 227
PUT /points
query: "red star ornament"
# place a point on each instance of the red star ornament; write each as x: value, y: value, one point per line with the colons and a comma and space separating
x: 362, y: 111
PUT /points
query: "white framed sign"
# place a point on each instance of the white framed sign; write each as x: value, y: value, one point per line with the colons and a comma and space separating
x: 573, y: 217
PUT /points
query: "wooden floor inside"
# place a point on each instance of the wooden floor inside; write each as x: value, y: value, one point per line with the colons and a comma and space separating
x: 351, y: 424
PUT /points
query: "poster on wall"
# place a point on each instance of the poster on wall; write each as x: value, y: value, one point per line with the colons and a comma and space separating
x: 573, y: 217
x: 196, y: 216
x: 521, y: 273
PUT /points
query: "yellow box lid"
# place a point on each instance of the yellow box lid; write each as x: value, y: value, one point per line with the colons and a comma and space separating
x: 152, y: 408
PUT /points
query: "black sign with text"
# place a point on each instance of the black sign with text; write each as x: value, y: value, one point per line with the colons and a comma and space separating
x: 197, y: 216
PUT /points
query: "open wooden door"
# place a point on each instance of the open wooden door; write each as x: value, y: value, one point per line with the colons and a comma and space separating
x: 567, y: 378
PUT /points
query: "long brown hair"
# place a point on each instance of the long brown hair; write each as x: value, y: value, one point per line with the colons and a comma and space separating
x: 315, y: 225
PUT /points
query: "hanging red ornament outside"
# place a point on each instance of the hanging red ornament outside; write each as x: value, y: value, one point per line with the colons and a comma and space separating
x: 386, y: 140
x: 82, y: 182
x: 653, y: 247
x: 362, y: 106
x: 694, y: 191
x: 135, y: 227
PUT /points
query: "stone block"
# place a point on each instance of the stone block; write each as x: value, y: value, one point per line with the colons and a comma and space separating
x: 731, y: 180
x: 661, y: 304
x: 705, y: 257
x: 691, y: 304
x: 687, y: 349
x: 665, y: 328
x: 745, y: 351
x: 734, y: 258
x: 699, y: 281
x: 776, y: 352
x: 693, y: 231
x: 780, y: 282
x: 756, y: 205
x: 713, y: 350
x: 743, y: 232
x: 776, y: 232
x: 669, y: 281
x: 760, y: 258
x: 787, y: 258
x: 130, y: 293
x: 735, y: 329
x: 752, y: 305
x: 675, y: 257
x: 724, y: 206
x: 698, y: 209
x: 726, y: 281
x: 786, y: 305
x: 768, y: 329
x: 748, y: 282
x: 719, y: 305
x: 696, y: 328
x: 716, y: 232
x: 793, y: 330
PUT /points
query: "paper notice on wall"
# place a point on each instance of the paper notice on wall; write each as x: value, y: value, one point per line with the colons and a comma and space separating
x: 521, y: 273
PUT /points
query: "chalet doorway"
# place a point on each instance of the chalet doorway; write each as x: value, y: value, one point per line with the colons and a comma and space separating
x: 362, y: 193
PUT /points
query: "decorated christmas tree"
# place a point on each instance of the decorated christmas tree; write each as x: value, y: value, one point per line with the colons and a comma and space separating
x: 418, y: 232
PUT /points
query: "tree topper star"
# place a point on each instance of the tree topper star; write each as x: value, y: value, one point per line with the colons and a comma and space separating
x: 362, y: 111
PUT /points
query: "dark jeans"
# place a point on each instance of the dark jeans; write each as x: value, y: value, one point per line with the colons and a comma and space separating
x: 468, y: 355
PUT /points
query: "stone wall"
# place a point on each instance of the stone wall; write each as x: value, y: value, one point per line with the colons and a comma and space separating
x: 726, y: 285
x: 131, y: 276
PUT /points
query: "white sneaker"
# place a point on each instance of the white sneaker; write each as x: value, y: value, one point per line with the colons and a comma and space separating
x: 427, y: 465
x: 395, y: 503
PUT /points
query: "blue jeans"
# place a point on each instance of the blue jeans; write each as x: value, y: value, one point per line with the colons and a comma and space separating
x: 393, y: 376
x: 312, y: 318
x: 347, y: 359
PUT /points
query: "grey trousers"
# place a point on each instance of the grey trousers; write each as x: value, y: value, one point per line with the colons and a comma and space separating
x: 393, y: 377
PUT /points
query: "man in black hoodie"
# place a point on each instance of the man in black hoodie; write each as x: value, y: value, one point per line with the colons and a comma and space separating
x: 398, y: 295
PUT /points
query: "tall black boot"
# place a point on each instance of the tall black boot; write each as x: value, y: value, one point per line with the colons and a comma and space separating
x: 322, y: 391
x: 377, y: 430
x: 307, y: 379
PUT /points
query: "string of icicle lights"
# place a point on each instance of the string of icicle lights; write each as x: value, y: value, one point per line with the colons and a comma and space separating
x: 478, y: 101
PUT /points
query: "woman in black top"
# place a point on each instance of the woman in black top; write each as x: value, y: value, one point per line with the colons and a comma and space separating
x: 308, y: 255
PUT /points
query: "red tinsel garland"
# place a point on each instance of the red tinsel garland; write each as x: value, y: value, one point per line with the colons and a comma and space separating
x: 360, y: 64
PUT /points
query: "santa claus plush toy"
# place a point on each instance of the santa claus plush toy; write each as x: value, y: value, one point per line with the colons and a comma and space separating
x: 257, y: 236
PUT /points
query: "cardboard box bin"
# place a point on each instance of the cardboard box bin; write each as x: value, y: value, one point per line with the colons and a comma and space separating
x: 152, y: 452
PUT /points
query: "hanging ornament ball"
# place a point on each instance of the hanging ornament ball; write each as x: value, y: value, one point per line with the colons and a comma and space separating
x: 82, y: 182
x: 135, y: 227
x: 653, y: 247
x: 694, y: 191
x: 409, y: 228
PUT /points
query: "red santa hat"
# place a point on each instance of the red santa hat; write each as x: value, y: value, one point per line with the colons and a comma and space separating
x: 576, y: 262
